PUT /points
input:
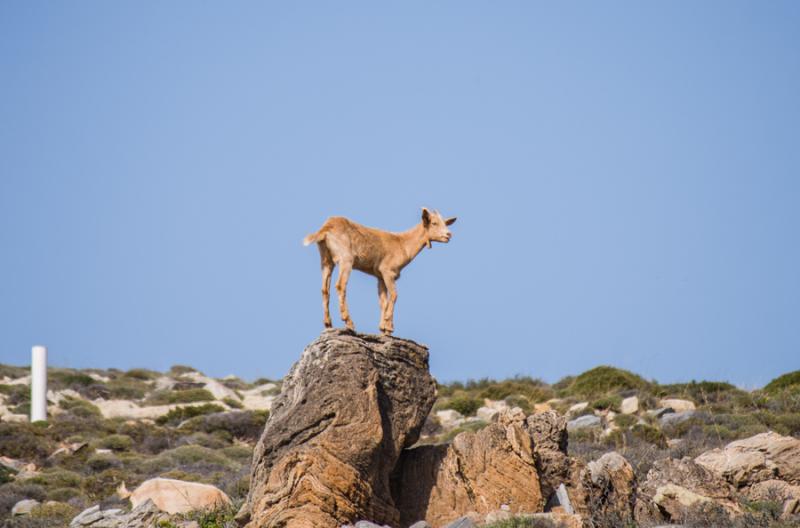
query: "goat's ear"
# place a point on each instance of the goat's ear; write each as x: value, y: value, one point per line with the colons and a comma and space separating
x: 450, y: 221
x: 426, y: 217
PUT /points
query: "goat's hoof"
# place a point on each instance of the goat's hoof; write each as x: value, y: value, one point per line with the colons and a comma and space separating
x: 328, y: 324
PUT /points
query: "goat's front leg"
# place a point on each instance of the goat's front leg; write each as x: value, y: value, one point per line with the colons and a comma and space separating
x: 341, y: 289
x: 388, y: 314
x: 382, y: 299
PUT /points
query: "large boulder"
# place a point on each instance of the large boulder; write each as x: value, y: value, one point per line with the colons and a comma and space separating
x: 478, y: 473
x: 346, y: 410
x: 674, y: 486
x: 177, y: 496
x: 765, y: 456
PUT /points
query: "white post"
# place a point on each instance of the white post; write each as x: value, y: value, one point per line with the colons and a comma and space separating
x: 38, y: 383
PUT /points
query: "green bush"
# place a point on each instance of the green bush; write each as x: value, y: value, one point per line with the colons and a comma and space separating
x: 101, y: 461
x: 233, y: 403
x: 165, y: 397
x: 10, y: 371
x: 127, y: 388
x: 25, y: 441
x: 790, y: 380
x: 57, y: 478
x: 465, y: 405
x: 117, y: 442
x: 469, y: 427
x: 142, y: 374
x: 181, y: 369
x: 79, y: 407
x: 602, y: 381
x: 179, y: 414
x: 610, y: 403
x: 625, y: 420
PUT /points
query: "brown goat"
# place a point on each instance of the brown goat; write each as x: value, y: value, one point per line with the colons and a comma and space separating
x: 380, y: 253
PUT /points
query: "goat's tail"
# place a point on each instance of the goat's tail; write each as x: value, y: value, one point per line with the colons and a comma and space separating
x: 314, y: 237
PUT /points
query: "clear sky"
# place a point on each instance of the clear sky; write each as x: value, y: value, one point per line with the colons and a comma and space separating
x: 626, y: 177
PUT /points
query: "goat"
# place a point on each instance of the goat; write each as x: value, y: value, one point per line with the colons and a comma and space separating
x: 379, y: 253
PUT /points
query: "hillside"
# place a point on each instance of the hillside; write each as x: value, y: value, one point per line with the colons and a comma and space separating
x: 110, y: 427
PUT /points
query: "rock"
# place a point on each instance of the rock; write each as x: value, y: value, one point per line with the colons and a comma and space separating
x: 478, y: 472
x: 463, y: 522
x: 658, y: 413
x: 178, y: 496
x: 675, y: 485
x: 673, y: 419
x: 629, y: 405
x: 24, y: 507
x: 346, y: 410
x: 677, y: 405
x: 790, y: 507
x: 583, y: 422
x: 368, y: 524
x: 578, y: 407
x: 611, y: 486
x: 219, y: 390
x: 146, y: 515
x: 562, y: 500
x: 768, y: 490
x: 548, y: 431
x: 487, y: 414
x: 539, y: 408
x: 129, y: 409
x: 420, y: 524
x: 497, y: 516
x: 761, y: 457
x: 449, y: 418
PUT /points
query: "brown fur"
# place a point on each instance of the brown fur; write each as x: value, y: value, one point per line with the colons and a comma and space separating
x: 380, y: 253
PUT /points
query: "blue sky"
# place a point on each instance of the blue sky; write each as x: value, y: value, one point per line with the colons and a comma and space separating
x: 626, y: 177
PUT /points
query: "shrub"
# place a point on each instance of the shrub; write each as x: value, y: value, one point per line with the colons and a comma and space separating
x: 625, y: 420
x: 102, y: 461
x: 126, y: 388
x: 25, y: 441
x: 790, y: 380
x: 10, y: 371
x: 68, y: 379
x: 610, y: 403
x: 465, y: 405
x: 468, y: 427
x: 55, y: 513
x: 117, y: 442
x: 57, y: 478
x: 603, y: 380
x: 104, y: 483
x: 165, y: 397
x: 247, y: 425
x: 16, y: 394
x: 14, y: 492
x: 179, y: 414
x: 142, y: 374
x: 233, y: 403
x: 78, y: 407
x: 181, y: 369
x: 649, y: 434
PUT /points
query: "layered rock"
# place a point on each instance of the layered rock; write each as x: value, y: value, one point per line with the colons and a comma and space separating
x: 761, y: 457
x: 478, y: 473
x: 347, y: 409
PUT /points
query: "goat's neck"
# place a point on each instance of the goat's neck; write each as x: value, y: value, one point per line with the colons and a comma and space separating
x: 413, y: 241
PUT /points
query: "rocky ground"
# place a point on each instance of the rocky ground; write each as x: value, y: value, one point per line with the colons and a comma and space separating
x: 361, y: 424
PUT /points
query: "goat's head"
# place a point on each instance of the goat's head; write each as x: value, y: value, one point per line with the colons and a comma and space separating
x: 436, y: 226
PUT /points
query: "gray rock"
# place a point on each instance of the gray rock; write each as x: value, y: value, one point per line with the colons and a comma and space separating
x: 563, y: 499
x: 463, y: 522
x: 420, y: 524
x: 677, y: 418
x: 87, y: 516
x: 143, y: 516
x: 658, y: 413
x: 582, y: 422
x: 368, y: 524
x: 24, y: 507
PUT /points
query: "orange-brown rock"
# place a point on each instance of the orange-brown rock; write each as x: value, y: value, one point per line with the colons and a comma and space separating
x: 477, y: 473
x: 346, y: 411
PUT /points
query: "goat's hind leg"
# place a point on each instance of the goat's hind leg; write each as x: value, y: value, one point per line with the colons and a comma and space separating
x: 341, y: 289
x: 327, y: 270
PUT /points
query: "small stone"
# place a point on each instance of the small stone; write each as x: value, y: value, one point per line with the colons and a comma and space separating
x: 676, y: 418
x: 578, y: 407
x: 629, y: 405
x: 487, y: 414
x: 677, y: 405
x: 24, y: 507
x: 87, y: 516
x: 563, y: 499
x: 658, y: 413
x: 583, y: 422
x: 368, y: 524
x: 420, y: 524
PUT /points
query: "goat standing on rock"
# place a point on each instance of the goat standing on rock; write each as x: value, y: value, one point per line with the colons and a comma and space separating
x: 380, y: 253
